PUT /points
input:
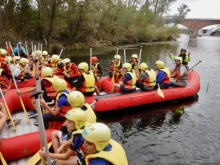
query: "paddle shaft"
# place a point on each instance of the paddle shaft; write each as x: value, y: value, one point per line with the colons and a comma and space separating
x: 22, y: 104
x: 90, y: 57
x: 7, y: 109
x: 117, y: 50
x: 43, y: 139
x: 195, y: 65
x: 139, y: 59
x: 125, y: 55
x: 60, y: 52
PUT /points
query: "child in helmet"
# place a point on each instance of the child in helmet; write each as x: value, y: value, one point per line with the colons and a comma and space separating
x: 97, y: 70
x: 45, y: 58
x: 102, y: 150
x: 77, y: 100
x: 183, y: 55
x: 58, y: 112
x: 163, y: 75
x: 115, y: 68
x: 49, y: 93
x: 134, y: 61
x: 85, y: 83
x: 129, y: 80
x: 147, y: 78
x: 54, y: 63
x: 75, y: 122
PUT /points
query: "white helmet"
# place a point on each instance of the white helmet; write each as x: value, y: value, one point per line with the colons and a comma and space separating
x: 45, y: 53
x: 134, y: 56
x: 118, y: 57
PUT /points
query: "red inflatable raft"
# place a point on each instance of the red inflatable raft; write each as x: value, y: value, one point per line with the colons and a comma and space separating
x: 117, y: 101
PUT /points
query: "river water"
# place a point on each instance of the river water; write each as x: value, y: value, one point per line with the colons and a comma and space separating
x: 149, y: 135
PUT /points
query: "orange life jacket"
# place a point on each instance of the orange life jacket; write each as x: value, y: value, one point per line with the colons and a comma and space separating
x: 131, y: 84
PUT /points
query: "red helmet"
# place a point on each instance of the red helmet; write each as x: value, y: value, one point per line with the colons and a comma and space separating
x: 94, y: 59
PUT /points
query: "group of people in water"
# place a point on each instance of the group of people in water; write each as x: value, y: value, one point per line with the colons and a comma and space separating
x: 60, y: 104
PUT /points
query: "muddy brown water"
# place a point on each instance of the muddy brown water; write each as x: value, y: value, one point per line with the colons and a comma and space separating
x: 150, y: 136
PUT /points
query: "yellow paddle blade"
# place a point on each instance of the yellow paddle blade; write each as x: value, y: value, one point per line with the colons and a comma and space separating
x: 160, y: 92
x: 2, y: 159
x: 36, y: 157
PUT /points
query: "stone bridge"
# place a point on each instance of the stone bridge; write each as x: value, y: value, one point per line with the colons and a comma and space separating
x: 194, y: 24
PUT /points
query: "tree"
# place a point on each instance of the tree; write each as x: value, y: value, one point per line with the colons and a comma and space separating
x: 183, y: 10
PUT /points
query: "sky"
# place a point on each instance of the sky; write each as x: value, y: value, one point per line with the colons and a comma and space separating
x: 199, y: 8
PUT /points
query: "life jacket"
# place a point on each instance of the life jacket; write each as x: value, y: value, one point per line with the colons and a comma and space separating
x: 54, y: 66
x: 22, y: 70
x: 134, y: 65
x: 64, y: 109
x: 185, y: 58
x: 151, y: 80
x: 51, y: 92
x: 89, y: 84
x: 117, y: 66
x: 177, y: 69
x: 167, y: 78
x: 116, y: 155
x: 69, y: 71
x: 95, y: 69
x: 91, y: 117
x: 131, y: 84
x: 45, y: 59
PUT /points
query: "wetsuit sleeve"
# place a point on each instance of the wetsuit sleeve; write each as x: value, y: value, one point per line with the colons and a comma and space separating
x: 59, y: 72
x: 61, y: 101
x: 78, y: 82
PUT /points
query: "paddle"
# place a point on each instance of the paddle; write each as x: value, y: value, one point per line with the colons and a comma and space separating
x: 2, y: 159
x: 113, y: 75
x: 36, y: 157
x: 159, y: 91
x: 139, y: 59
x: 125, y: 55
x: 195, y: 65
x: 60, y: 52
x: 21, y: 101
x: 32, y: 47
x: 90, y: 57
x: 7, y: 109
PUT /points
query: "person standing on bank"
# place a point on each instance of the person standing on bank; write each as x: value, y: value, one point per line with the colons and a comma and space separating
x: 20, y: 50
x: 183, y: 55
x: 180, y: 73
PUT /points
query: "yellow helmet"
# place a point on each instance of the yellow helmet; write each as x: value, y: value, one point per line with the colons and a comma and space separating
x: 65, y: 61
x: 76, y: 99
x: 160, y: 64
x: 118, y: 57
x: 143, y: 66
x: 45, y: 53
x: 127, y: 66
x: 3, y: 52
x: 134, y: 56
x: 8, y: 59
x: 16, y: 58
x: 84, y: 66
x: 78, y: 116
x: 47, y: 72
x: 24, y: 61
x: 99, y: 134
x: 180, y: 59
x: 59, y: 85
x: 55, y: 58
x: 38, y: 54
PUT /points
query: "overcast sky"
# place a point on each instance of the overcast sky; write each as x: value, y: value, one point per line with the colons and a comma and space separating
x: 199, y: 8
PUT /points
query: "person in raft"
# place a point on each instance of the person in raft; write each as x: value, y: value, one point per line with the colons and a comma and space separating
x: 70, y: 71
x: 179, y: 73
x: 147, y: 79
x: 163, y: 75
x: 62, y: 106
x: 97, y: 70
x: 183, y: 55
x: 102, y: 150
x: 129, y: 80
x: 19, y: 71
x: 115, y: 68
x: 20, y: 50
x: 85, y: 83
x: 49, y: 93
x: 4, y: 117
x: 134, y: 62
x: 75, y: 123
x: 77, y: 100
